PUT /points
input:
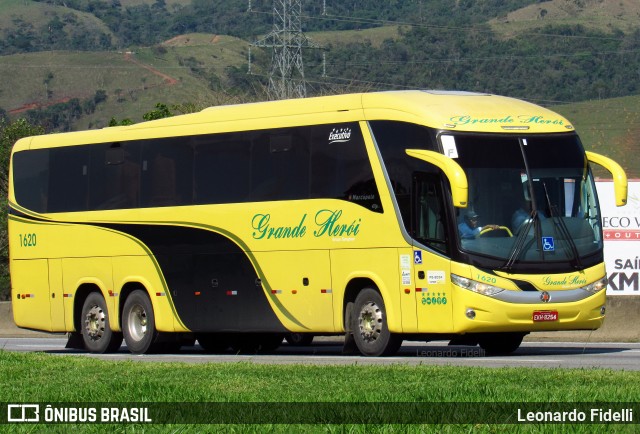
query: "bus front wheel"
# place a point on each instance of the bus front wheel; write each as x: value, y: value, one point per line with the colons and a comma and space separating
x: 138, y: 323
x: 370, y: 328
x: 96, y: 330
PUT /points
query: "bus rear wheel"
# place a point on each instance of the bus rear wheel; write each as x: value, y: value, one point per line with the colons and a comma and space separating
x: 96, y: 329
x: 370, y: 328
x: 138, y: 323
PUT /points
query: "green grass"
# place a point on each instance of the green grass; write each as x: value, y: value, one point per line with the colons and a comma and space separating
x: 68, y: 379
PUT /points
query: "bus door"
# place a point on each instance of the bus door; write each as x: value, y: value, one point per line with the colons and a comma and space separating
x: 431, y: 266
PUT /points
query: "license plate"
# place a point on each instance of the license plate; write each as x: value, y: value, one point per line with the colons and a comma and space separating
x: 545, y: 315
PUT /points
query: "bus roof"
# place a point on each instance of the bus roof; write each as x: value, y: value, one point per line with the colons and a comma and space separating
x: 445, y: 110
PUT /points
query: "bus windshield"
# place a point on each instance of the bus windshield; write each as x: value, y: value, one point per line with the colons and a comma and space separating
x: 531, y: 199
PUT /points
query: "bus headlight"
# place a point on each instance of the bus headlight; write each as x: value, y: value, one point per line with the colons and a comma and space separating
x: 475, y: 286
x: 596, y: 286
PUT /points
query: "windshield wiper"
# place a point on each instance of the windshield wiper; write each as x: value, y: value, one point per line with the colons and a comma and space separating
x: 561, y: 226
x: 518, y: 245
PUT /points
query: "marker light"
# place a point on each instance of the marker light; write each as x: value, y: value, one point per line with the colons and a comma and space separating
x: 475, y: 286
x: 596, y: 286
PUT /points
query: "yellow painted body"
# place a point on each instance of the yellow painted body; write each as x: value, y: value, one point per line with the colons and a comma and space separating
x: 53, y: 255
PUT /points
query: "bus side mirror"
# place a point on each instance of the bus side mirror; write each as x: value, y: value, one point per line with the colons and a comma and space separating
x: 617, y: 172
x: 452, y: 170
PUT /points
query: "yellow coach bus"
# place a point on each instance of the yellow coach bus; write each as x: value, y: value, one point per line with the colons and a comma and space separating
x: 390, y: 216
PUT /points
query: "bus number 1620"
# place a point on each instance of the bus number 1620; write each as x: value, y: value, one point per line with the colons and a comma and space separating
x: 27, y: 240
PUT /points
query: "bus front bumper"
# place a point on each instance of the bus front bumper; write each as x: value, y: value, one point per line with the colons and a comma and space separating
x: 476, y: 313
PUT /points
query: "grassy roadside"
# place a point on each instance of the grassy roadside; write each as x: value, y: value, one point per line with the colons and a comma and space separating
x: 48, y: 378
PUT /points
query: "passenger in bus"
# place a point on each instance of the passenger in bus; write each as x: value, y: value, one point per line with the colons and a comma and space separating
x: 469, y: 228
x: 523, y: 214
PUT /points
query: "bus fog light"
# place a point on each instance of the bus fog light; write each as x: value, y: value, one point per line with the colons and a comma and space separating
x: 470, y: 313
x: 602, y: 310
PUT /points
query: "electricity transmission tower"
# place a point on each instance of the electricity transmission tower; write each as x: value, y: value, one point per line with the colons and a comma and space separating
x: 286, y: 40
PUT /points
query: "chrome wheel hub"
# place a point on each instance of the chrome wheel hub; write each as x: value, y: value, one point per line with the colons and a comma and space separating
x: 94, y: 323
x: 137, y: 322
x: 370, y: 322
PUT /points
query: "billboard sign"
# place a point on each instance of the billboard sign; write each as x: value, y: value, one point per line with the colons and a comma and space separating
x: 621, y: 231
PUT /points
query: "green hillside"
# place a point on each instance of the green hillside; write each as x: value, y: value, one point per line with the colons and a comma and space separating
x: 27, y: 26
x: 544, y: 51
x: 190, y: 69
x: 602, y: 15
x: 610, y: 127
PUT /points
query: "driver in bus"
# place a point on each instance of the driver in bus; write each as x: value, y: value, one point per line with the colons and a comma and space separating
x: 469, y: 228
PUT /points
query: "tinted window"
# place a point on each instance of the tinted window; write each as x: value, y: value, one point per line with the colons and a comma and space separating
x: 167, y: 172
x: 325, y: 161
x: 340, y: 167
x: 114, y: 176
x: 221, y: 168
x: 31, y: 179
x: 280, y: 165
x: 393, y: 138
x: 69, y: 179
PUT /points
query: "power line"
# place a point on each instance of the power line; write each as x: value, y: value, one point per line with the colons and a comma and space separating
x: 475, y: 29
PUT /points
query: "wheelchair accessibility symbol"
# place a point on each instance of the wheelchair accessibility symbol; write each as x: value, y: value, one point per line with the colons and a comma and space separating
x: 417, y: 257
x: 547, y: 244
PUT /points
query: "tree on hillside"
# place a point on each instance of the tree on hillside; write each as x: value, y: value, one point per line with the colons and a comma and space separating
x: 161, y: 111
x: 10, y: 132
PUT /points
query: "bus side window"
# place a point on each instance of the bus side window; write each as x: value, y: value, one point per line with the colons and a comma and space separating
x: 221, y: 168
x: 69, y: 179
x: 167, y: 172
x: 280, y: 166
x: 341, y: 169
x: 429, y: 216
x: 31, y: 179
x: 114, y: 177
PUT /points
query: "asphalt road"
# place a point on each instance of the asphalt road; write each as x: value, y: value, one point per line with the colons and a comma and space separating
x: 607, y: 355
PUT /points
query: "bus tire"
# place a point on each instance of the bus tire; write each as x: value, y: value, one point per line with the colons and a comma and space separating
x: 370, y: 328
x: 496, y: 344
x: 138, y: 323
x: 96, y: 328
